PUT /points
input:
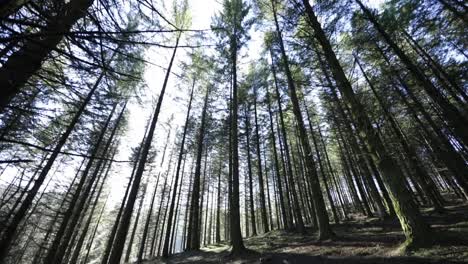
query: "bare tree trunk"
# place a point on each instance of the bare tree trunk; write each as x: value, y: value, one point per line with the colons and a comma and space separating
x: 249, y: 170
x: 187, y: 209
x: 122, y: 231
x: 156, y: 226
x: 177, y: 215
x: 153, y: 250
x: 268, y: 187
x: 135, y: 223
x: 148, y: 219
x: 450, y: 84
x: 42, y: 246
x: 236, y: 235
x: 426, y: 182
x: 165, y: 252
x: 443, y: 149
x: 218, y: 208
x: 110, y: 240
x: 194, y: 238
x: 79, y: 245
x: 275, y: 155
x: 93, y: 235
x: 260, y: 171
x: 321, y: 166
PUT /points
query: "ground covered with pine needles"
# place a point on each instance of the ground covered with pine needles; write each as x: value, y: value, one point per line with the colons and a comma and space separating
x: 360, y: 240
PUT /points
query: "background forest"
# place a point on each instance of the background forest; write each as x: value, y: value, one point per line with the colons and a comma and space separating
x: 134, y: 130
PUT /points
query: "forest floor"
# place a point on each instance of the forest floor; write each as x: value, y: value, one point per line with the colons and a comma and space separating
x: 361, y: 240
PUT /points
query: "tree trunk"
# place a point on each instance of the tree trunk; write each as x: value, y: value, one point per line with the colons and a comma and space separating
x: 236, y: 235
x: 451, y: 114
x: 414, y: 227
x: 325, y: 231
x: 275, y: 155
x: 26, y: 61
x: 42, y: 246
x: 218, y: 208
x: 187, y: 209
x: 163, y: 194
x: 62, y: 238
x: 194, y: 227
x: 286, y: 171
x: 93, y: 235
x: 110, y: 239
x: 177, y: 215
x: 165, y: 252
x: 79, y: 245
x: 246, y: 206
x: 116, y: 252
x: 451, y: 85
x: 443, y: 149
x: 148, y: 219
x: 260, y: 171
x: 19, y: 215
x: 249, y: 170
x: 424, y: 179
x: 288, y: 166
x: 270, y: 215
x: 135, y: 224
x: 153, y: 251
x: 205, y: 221
x: 166, y: 209
x: 322, y: 167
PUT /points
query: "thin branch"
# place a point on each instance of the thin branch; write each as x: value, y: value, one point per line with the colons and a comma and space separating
x: 61, y: 152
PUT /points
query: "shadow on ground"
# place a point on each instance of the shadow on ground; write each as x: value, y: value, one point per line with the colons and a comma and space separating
x: 202, y: 257
x: 361, y: 240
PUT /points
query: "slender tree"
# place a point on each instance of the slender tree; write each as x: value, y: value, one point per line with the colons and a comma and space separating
x: 233, y: 29
x: 10, y: 232
x: 414, y: 227
x: 195, y: 214
x: 260, y: 170
x: 116, y: 252
x: 165, y: 252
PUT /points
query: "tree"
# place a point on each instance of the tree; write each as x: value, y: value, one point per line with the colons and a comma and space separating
x: 26, y: 204
x: 232, y: 29
x: 195, y: 214
x: 414, y: 227
x: 21, y: 65
x: 259, y: 161
x: 116, y: 252
x: 165, y: 252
